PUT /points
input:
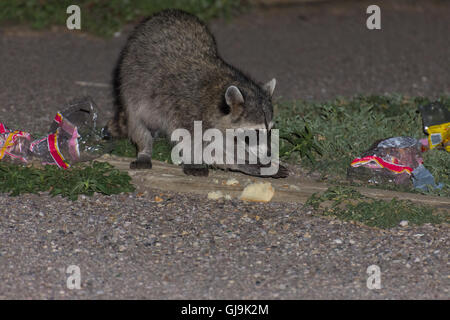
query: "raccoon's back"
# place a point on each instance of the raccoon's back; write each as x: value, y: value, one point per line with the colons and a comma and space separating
x: 170, y: 73
x: 171, y: 42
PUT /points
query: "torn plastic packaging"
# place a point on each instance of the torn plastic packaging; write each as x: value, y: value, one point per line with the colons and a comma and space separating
x: 387, y: 161
x: 395, y: 160
x: 73, y: 137
x: 14, y: 144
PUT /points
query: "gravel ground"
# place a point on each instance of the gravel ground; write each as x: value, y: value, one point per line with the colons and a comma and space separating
x: 130, y: 246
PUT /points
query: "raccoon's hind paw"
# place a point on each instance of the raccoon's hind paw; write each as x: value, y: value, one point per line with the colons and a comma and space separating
x: 141, y: 163
x: 196, y: 170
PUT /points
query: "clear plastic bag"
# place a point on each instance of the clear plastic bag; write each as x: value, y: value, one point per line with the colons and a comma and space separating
x: 73, y: 137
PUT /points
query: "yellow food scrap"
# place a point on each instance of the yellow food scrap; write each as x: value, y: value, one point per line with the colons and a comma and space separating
x: 261, y: 192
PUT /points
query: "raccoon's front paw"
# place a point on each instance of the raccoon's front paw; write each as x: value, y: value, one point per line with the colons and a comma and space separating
x: 141, y: 163
x: 198, y: 170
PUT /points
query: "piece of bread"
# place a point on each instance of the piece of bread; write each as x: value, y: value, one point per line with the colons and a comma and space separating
x: 261, y: 192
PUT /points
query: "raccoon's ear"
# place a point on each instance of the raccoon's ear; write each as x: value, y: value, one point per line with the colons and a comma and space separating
x: 233, y: 96
x: 270, y: 86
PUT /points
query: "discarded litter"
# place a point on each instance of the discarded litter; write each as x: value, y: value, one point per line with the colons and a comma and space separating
x: 395, y: 160
x: 390, y: 160
x: 398, y: 160
x: 14, y: 144
x: 436, y: 124
x: 73, y: 137
x: 423, y: 179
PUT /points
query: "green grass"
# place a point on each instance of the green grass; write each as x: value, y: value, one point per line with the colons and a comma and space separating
x: 105, y: 17
x: 162, y: 149
x: 340, y: 130
x: 348, y: 204
x: 124, y: 148
x: 80, y: 179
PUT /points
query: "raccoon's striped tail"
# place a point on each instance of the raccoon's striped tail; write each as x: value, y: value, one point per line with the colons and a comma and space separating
x: 117, y: 127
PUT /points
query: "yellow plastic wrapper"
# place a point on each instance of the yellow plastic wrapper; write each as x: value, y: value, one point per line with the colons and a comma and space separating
x: 436, y: 124
x: 439, y: 135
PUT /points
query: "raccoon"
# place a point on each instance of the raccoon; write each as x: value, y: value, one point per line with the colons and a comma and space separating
x: 170, y: 74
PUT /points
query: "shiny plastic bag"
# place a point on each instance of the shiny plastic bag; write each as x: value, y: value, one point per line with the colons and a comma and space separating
x: 73, y: 137
x: 387, y: 161
x: 14, y: 145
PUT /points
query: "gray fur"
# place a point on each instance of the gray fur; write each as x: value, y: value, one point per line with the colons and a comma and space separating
x: 170, y: 75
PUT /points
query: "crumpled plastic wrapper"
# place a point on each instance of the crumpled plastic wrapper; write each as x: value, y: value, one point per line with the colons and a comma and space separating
x: 388, y: 161
x: 14, y: 145
x: 73, y: 137
x: 436, y: 124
